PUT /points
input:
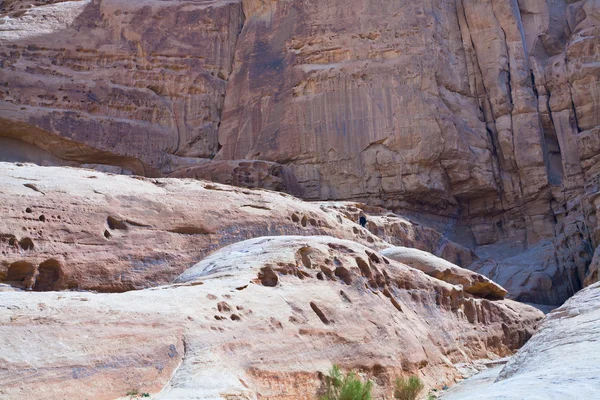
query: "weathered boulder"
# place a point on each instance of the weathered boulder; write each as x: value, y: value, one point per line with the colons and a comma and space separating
x: 258, y: 319
x: 441, y: 269
x: 559, y: 362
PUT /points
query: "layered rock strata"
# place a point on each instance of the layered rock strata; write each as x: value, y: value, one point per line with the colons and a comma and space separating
x: 485, y: 112
x: 137, y: 84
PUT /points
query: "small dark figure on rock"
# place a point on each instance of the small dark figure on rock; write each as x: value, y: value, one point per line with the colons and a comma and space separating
x: 362, y: 221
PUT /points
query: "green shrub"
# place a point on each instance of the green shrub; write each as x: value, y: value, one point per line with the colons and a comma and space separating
x: 348, y: 387
x: 408, y: 389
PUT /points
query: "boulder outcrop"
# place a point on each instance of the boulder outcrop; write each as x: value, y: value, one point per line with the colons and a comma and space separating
x: 258, y: 319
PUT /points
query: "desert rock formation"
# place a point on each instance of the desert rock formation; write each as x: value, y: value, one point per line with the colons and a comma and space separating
x: 137, y: 84
x: 560, y: 362
x: 484, y: 112
x: 82, y: 229
x: 443, y: 270
x: 259, y: 318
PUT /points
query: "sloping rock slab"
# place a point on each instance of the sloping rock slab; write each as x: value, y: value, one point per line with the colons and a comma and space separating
x: 74, y: 228
x: 258, y: 319
x: 560, y: 362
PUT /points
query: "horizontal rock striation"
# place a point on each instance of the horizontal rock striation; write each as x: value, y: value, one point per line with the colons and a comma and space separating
x: 136, y: 80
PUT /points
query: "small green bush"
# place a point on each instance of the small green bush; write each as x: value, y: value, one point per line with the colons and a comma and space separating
x: 348, y: 387
x: 408, y: 389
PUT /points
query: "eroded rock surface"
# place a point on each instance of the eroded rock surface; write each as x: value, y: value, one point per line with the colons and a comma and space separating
x: 114, y: 233
x: 257, y: 319
x: 559, y: 362
x: 405, y: 231
x: 441, y: 269
x: 244, y: 173
x: 135, y: 84
x: 483, y: 111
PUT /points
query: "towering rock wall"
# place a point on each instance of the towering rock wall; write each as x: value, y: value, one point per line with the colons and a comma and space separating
x: 483, y: 111
x: 451, y: 106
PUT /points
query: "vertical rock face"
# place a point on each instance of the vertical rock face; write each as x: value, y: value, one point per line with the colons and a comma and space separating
x: 136, y: 84
x: 483, y: 111
x: 444, y: 105
x: 365, y: 101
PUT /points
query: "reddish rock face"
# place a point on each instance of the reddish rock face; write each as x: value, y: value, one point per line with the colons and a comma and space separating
x: 134, y: 84
x: 68, y: 228
x: 444, y: 106
x: 483, y: 112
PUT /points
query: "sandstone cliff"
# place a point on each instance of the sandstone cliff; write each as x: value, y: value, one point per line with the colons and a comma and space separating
x: 484, y: 112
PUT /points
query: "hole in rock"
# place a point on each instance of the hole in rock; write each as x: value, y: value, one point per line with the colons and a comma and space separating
x: 295, y: 218
x: 114, y: 223
x: 268, y: 277
x: 28, y: 210
x: 42, y: 218
x: 373, y: 257
x: 304, y: 221
x: 50, y: 274
x: 107, y: 234
x: 328, y: 273
x: 223, y: 307
x: 344, y: 275
x: 345, y: 296
x: 304, y: 256
x: 364, y: 267
x: 320, y: 313
x: 21, y: 273
x: 26, y: 243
